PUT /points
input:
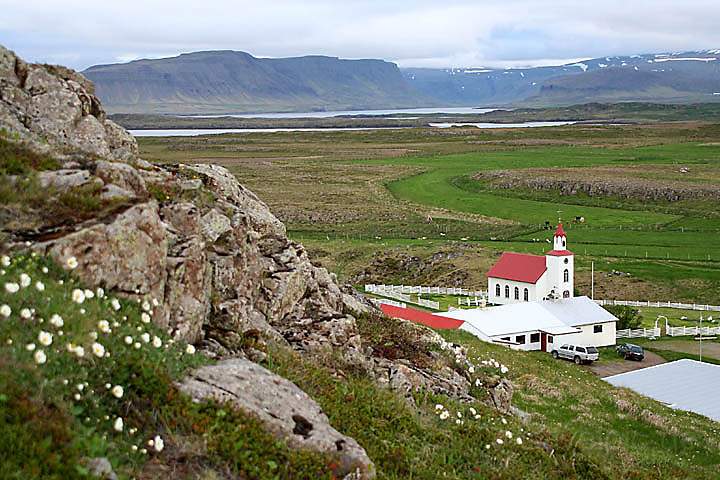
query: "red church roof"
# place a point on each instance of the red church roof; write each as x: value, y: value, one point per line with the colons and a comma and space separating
x: 418, y: 316
x: 519, y: 267
x: 560, y: 253
x: 560, y: 232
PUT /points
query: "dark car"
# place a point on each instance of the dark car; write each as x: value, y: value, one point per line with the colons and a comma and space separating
x: 631, y: 351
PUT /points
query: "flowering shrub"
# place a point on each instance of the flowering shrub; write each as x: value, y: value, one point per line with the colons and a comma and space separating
x: 106, y: 372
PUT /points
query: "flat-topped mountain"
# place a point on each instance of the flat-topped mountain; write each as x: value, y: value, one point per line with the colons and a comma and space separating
x: 230, y: 82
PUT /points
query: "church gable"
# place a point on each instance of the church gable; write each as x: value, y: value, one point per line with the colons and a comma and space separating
x: 519, y: 267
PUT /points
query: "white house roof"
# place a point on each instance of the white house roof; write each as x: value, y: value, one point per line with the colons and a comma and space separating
x: 578, y: 311
x: 510, y: 319
x: 556, y: 317
x: 683, y: 384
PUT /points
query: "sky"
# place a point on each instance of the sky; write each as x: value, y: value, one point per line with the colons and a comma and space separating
x: 419, y: 33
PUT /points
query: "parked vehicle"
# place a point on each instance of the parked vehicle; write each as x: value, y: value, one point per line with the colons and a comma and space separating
x: 577, y: 353
x: 630, y: 351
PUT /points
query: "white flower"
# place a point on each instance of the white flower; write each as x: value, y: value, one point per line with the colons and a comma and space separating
x: 78, y: 296
x: 30, y: 347
x: 471, y: 369
x: 503, y: 369
x: 159, y: 443
x: 98, y: 350
x: 100, y: 293
x: 5, y: 310
x: 190, y: 349
x: 79, y: 351
x: 25, y: 313
x: 478, y: 383
x: 145, y: 317
x: 56, y: 320
x: 146, y: 306
x: 40, y: 286
x: 12, y: 287
x: 504, y: 422
x: 118, y: 425
x: 77, y: 397
x: 155, y: 302
x: 137, y: 345
x: 80, y: 387
x: 25, y: 280
x: 459, y: 415
x: 499, y: 441
x: 128, y: 340
x: 145, y: 337
x: 458, y: 422
x: 473, y: 411
x: 157, y: 342
x: 104, y: 326
x: 5, y: 261
x: 115, y: 304
x: 89, y: 293
x: 45, y: 338
x: 518, y: 440
x: 444, y: 415
x: 439, y: 407
x: 71, y: 263
x: 134, y: 448
x: 40, y: 357
x: 45, y: 270
x: 508, y: 434
x: 117, y: 391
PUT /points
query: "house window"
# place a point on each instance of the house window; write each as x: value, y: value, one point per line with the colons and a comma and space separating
x: 520, y: 339
x: 597, y: 328
x: 507, y: 339
x: 566, y: 294
x: 517, y: 293
x: 534, y: 337
x: 550, y: 339
x: 497, y: 290
x: 566, y: 275
x: 507, y: 291
x: 526, y: 295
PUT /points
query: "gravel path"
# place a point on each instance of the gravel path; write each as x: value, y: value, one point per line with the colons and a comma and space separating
x: 607, y: 369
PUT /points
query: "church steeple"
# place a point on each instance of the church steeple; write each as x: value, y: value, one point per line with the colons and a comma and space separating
x: 560, y: 239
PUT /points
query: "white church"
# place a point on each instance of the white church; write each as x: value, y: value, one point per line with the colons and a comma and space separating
x: 518, y: 277
x: 536, y: 308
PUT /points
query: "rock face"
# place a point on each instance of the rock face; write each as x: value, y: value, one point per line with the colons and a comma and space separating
x: 55, y: 109
x: 285, y: 409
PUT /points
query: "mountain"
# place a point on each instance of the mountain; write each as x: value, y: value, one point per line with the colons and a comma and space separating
x: 232, y: 82
x: 236, y: 82
x: 665, y: 77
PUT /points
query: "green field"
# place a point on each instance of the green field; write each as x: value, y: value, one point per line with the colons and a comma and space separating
x: 355, y: 197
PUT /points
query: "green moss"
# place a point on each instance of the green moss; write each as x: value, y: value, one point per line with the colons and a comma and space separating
x: 16, y: 159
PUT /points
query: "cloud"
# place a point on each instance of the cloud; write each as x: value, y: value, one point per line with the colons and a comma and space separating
x: 411, y: 32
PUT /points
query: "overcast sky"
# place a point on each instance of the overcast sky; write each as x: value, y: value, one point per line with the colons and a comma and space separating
x: 462, y: 33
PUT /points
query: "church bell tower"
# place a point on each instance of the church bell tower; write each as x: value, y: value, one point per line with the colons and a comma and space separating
x: 560, y: 266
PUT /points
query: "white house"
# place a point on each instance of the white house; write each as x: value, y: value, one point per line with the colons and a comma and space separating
x: 518, y: 277
x: 540, y: 325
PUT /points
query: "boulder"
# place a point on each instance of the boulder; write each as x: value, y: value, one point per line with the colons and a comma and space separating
x: 285, y: 410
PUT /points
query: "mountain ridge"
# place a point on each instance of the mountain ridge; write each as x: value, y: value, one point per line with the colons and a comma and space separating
x: 228, y: 81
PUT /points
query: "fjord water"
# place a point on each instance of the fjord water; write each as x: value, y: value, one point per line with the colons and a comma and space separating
x: 363, y: 113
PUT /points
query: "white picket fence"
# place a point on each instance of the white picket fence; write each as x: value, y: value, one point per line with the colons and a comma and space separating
x: 677, y: 305
x: 397, y: 294
x: 378, y: 289
x: 638, y: 333
x: 695, y: 331
x: 387, y: 301
x: 472, y: 301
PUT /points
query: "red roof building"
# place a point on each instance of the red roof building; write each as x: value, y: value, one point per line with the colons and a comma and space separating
x: 519, y: 277
x: 519, y: 267
x: 418, y: 316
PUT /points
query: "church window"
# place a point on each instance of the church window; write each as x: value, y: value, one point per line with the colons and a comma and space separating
x: 507, y: 291
x: 566, y: 275
x: 526, y: 295
x: 497, y: 289
x: 566, y: 294
x: 517, y: 293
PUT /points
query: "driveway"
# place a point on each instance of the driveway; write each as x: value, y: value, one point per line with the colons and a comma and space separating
x: 607, y: 369
x: 710, y: 348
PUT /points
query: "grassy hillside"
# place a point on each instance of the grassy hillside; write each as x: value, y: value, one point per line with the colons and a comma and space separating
x: 56, y: 408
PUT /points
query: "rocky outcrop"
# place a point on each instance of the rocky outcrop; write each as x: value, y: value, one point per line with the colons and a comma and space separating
x: 54, y: 109
x: 286, y: 411
x: 636, y: 183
